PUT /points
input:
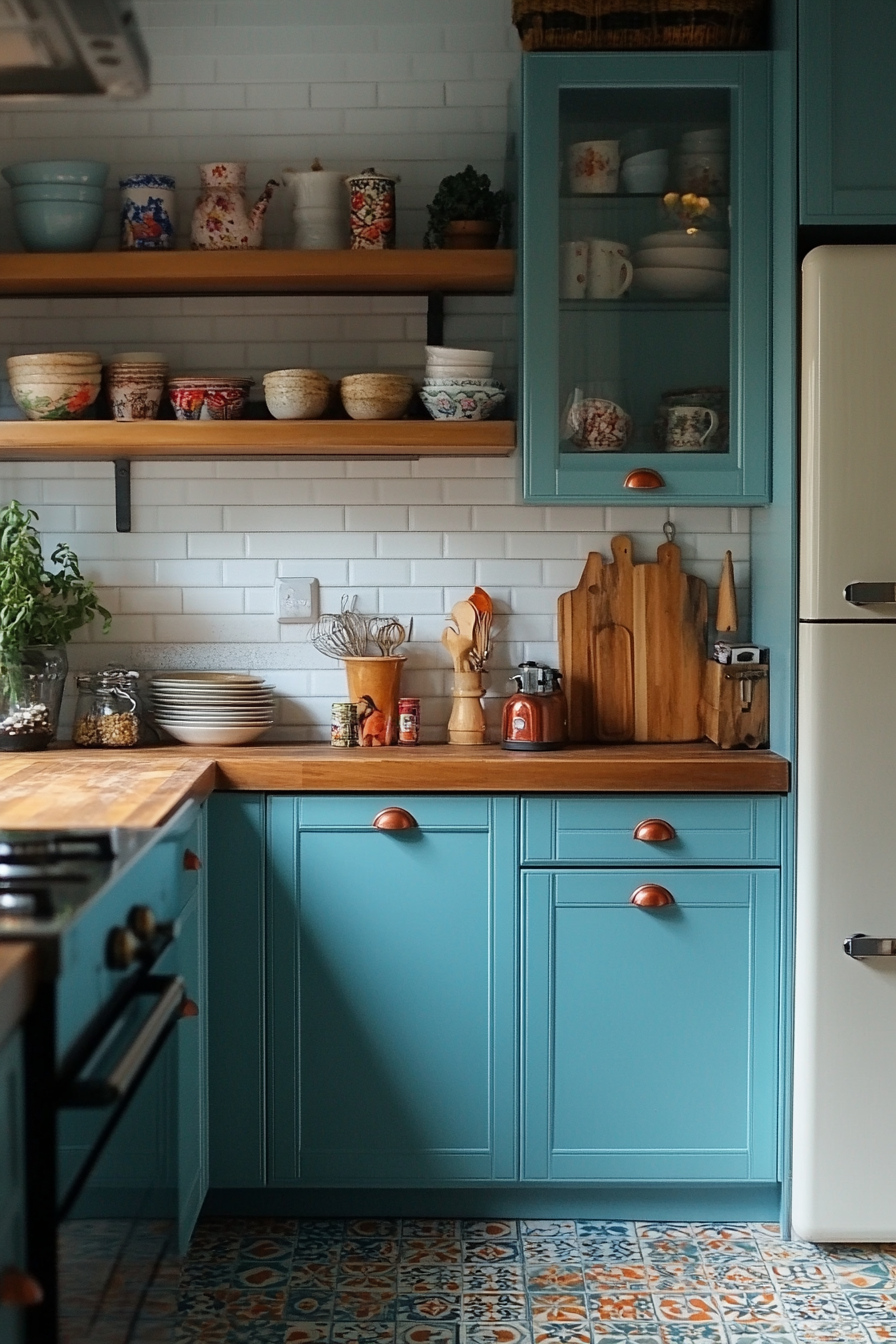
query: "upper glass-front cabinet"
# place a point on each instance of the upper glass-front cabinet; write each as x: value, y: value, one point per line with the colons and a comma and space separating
x: 645, y: 311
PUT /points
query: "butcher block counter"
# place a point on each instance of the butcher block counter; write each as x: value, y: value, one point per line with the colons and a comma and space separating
x: 72, y: 787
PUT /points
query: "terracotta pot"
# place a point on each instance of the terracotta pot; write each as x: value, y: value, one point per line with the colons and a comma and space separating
x: 374, y: 685
x: 470, y: 233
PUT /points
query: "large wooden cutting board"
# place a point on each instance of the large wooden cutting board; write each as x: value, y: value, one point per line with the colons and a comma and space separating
x: 613, y: 594
x: 670, y: 612
x: 575, y: 631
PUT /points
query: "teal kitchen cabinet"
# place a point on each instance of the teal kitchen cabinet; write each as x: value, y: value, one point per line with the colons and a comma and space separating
x: 847, y: 112
x: 192, y: 1030
x: 12, y: 1177
x: 392, y: 991
x: 599, y: 372
x: 650, y: 1034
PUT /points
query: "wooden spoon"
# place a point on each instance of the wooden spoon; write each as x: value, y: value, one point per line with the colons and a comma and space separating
x: 465, y: 616
x: 480, y: 599
x: 458, y: 647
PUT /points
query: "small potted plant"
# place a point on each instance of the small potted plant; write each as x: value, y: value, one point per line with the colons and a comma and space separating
x: 465, y: 212
x: 40, y: 608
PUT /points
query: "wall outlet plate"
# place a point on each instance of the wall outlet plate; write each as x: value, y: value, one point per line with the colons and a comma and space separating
x: 296, y: 601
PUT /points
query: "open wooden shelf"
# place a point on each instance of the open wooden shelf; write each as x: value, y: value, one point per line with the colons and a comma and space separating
x: 408, y: 271
x: 108, y: 439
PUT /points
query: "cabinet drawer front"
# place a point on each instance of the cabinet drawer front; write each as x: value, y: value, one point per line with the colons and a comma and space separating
x: 650, y: 1034
x: 339, y: 812
x: 599, y: 829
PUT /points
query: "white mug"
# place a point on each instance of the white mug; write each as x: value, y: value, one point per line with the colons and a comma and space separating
x: 689, y: 428
x: 594, y: 167
x: 609, y: 270
x: 574, y: 269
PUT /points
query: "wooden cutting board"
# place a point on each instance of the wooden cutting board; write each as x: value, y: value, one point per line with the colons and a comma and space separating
x: 613, y: 680
x: 670, y: 612
x: 575, y: 631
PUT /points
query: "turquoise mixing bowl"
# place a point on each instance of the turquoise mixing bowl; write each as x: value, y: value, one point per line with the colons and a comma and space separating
x: 58, y: 226
x: 80, y: 172
x: 54, y: 191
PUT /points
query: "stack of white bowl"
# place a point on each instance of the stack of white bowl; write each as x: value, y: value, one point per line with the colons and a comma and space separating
x: 703, y: 161
x: 681, y: 265
x: 222, y: 709
x: 458, y: 384
x: 56, y: 386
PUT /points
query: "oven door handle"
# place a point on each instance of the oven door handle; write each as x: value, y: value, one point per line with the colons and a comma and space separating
x: 121, y: 1078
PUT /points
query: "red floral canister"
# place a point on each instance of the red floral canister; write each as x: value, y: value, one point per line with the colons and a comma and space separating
x: 372, y: 209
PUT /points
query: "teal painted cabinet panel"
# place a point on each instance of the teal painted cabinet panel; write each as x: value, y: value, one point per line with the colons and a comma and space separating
x: 650, y: 1036
x: 192, y: 1038
x: 393, y: 988
x: 236, y: 988
x: 847, y: 112
x: 12, y: 1177
x: 585, y: 351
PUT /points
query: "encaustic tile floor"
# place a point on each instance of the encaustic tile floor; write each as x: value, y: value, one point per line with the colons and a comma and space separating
x: 491, y: 1281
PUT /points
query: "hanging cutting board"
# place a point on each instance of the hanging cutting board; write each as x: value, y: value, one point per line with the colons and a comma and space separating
x: 670, y: 611
x: 613, y: 679
x: 575, y: 632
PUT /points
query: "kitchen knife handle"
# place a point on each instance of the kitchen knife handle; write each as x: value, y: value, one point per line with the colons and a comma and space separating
x: 653, y: 831
x: 651, y: 896
x: 643, y: 478
x: 394, y: 819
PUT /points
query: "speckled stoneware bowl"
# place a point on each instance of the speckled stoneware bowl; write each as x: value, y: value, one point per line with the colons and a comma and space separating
x: 376, y: 396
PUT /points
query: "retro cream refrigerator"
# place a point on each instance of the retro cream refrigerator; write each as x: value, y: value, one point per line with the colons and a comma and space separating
x: 844, y: 1121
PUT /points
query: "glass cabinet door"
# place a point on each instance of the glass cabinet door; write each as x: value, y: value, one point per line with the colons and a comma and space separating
x: 645, y: 238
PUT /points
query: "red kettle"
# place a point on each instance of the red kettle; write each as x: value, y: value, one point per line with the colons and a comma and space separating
x: 534, y: 719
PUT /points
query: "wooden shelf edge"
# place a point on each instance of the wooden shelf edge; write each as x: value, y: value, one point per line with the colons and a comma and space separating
x: 108, y: 439
x: 405, y: 271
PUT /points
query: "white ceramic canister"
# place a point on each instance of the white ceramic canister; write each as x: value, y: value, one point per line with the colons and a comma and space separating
x: 147, y: 212
x: 320, y: 209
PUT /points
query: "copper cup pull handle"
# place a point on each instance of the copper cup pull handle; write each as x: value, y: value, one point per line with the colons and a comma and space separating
x: 643, y: 478
x: 651, y: 896
x: 394, y: 819
x: 18, y: 1289
x: 653, y: 831
x: 192, y: 862
x: 190, y: 1008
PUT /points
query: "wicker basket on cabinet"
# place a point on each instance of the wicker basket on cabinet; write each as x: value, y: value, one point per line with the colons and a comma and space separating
x: 639, y: 25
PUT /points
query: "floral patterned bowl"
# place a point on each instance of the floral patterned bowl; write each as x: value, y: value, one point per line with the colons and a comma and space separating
x: 461, y: 399
x: 52, y: 399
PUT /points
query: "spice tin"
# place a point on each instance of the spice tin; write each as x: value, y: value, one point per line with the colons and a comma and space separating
x: 409, y: 721
x: 344, y: 724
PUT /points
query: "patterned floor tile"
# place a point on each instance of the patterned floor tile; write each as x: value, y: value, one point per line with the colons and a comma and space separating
x: 691, y: 1307
x: 419, y: 1332
x: 266, y: 1250
x: 621, y: 1307
x: 705, y: 1333
x: 495, y: 1307
x: 621, y: 1250
x: 880, y: 1332
x: 558, y: 1277
x: 358, y: 1248
x: 871, y: 1274
x: 494, y: 1278
x: 548, y: 1250
x: 557, y: 1333
x: 306, y: 1332
x: 605, y: 1229
x: 429, y: 1307
x: 731, y: 1271
x: 801, y: 1276
x: 504, y: 1332
x: 548, y: 1227
x: 548, y: 1308
x: 368, y: 1274
x: 306, y: 1304
x: 803, y: 1308
x: 648, y: 1232
x: 381, y: 1228
x: 751, y: 1308
x: 874, y: 1306
x: 362, y: 1332
x: 432, y: 1278
x: 431, y: 1251
x: 767, y: 1333
x: 675, y: 1276
x: 670, y: 1248
x: 491, y: 1252
x: 313, y: 1275
x: 430, y: 1227
x: 489, y: 1229
x: 317, y: 1251
x: 625, y: 1332
x: 610, y: 1277
x: 260, y: 1276
x: 364, y: 1304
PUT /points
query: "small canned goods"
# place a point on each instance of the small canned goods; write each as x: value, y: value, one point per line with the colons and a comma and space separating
x: 344, y: 724
x: 409, y: 721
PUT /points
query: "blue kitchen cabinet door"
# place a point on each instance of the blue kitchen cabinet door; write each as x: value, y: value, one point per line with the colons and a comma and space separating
x: 847, y: 112
x: 192, y: 1036
x: 12, y: 1177
x: 634, y: 349
x: 392, y: 972
x: 650, y: 1038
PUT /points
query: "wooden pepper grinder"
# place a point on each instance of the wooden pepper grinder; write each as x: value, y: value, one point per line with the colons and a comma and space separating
x: 726, y: 613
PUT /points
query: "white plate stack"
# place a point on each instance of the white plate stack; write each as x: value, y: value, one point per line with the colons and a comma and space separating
x: 221, y: 709
x: 681, y: 265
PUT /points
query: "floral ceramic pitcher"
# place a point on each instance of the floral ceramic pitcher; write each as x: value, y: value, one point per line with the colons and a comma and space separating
x: 222, y: 219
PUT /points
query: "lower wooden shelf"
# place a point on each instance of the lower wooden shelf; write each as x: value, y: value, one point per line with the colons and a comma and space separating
x: 108, y: 439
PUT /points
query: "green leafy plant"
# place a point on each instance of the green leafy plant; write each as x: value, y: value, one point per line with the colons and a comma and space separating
x: 39, y: 605
x: 466, y: 195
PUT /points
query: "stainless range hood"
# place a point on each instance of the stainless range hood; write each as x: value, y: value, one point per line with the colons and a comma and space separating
x: 60, y: 48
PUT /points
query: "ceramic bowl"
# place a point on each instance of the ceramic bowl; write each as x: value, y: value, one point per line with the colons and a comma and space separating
x: 464, y: 400
x: 57, y: 191
x: 214, y: 737
x: 70, y: 358
x: 670, y: 282
x: 375, y: 396
x: 58, y: 226
x: 135, y: 401
x: 139, y: 357
x: 650, y: 156
x: 206, y: 397
x: 695, y: 142
x: 446, y: 354
x: 704, y: 173
x: 680, y: 238
x: 296, y: 400
x: 704, y: 258
x: 644, y: 179
x: 50, y: 399
x: 80, y: 172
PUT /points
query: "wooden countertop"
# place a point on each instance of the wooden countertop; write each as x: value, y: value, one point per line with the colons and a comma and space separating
x: 18, y: 977
x: 95, y: 788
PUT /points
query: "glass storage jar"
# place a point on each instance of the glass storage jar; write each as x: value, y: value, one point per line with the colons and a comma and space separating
x: 109, y: 712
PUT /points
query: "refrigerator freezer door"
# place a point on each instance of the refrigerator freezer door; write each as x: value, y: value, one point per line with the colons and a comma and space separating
x: 844, y: 1135
x: 848, y: 515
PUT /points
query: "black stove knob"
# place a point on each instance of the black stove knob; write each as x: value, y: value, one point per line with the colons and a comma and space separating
x: 142, y: 922
x: 122, y: 947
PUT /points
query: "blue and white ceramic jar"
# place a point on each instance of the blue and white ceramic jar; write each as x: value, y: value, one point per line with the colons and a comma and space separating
x: 147, y: 212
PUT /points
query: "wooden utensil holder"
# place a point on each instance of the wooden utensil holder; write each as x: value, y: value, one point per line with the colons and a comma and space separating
x: 466, y: 726
x: 735, y: 705
x: 374, y: 684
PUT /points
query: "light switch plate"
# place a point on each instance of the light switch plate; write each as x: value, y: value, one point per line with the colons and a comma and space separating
x: 296, y: 601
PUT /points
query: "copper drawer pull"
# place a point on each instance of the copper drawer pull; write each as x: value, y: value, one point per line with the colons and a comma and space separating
x: 190, y: 1008
x: 651, y: 896
x: 192, y: 862
x: 18, y: 1289
x: 394, y: 819
x: 653, y: 830
x: 643, y: 478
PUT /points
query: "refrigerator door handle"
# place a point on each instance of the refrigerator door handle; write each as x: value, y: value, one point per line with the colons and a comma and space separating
x: 868, y: 594
x: 861, y: 946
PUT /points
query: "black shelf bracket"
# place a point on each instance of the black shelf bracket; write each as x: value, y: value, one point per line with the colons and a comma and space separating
x: 435, y: 319
x: 122, y: 494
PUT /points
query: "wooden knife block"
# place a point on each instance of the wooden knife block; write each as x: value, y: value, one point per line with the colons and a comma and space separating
x: 735, y: 705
